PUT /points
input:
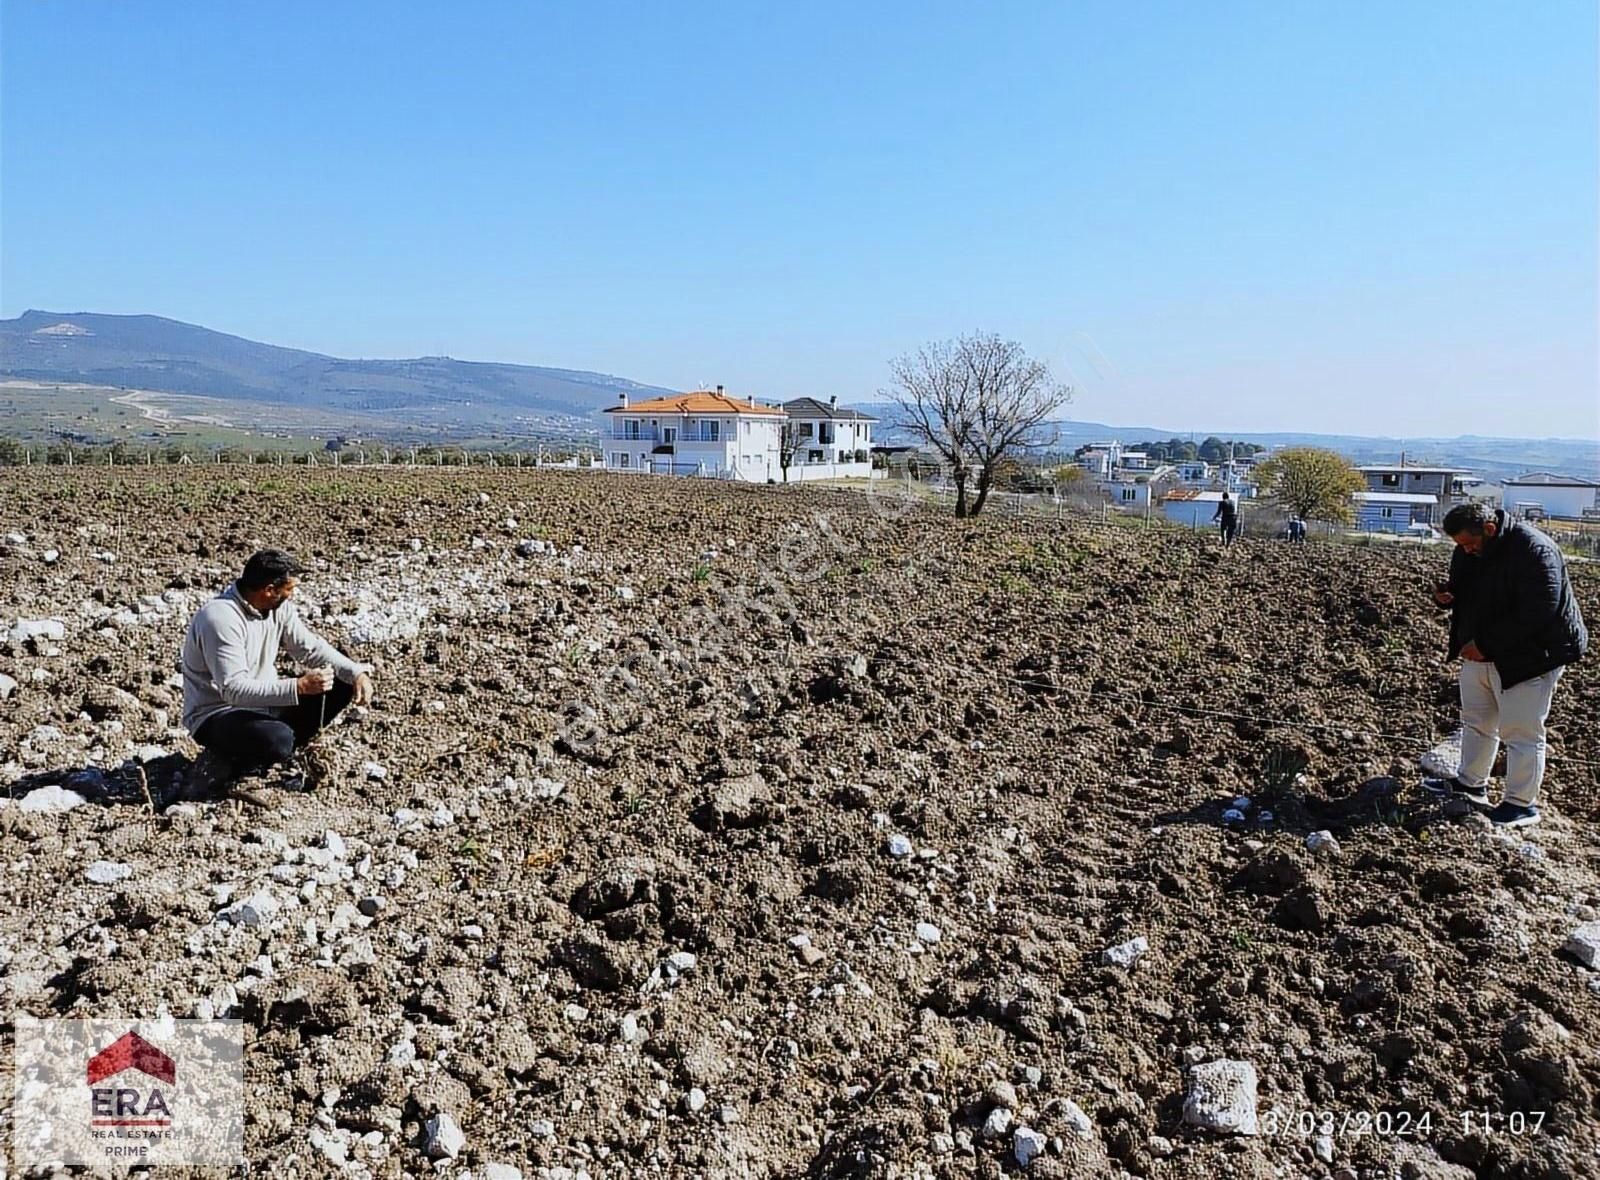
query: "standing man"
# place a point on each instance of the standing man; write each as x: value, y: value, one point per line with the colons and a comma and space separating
x: 234, y: 702
x: 1228, y: 514
x: 1515, y: 624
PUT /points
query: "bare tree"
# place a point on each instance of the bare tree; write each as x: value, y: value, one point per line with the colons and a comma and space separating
x: 976, y: 401
x: 788, y: 441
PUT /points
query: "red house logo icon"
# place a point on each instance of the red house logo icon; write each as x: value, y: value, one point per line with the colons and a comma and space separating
x: 135, y: 1101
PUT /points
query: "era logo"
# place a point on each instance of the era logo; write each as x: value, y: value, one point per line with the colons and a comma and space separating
x: 129, y: 1105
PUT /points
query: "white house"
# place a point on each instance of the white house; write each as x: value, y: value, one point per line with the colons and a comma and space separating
x: 698, y: 433
x: 1191, y: 506
x: 1567, y: 496
x: 1393, y: 512
x: 1137, y: 491
x: 1195, y: 471
x: 828, y: 442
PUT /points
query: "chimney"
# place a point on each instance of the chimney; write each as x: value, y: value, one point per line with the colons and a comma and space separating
x: 833, y: 402
x: 719, y: 391
x: 622, y: 399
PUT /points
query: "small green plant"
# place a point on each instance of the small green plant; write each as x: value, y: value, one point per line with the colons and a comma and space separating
x: 701, y: 572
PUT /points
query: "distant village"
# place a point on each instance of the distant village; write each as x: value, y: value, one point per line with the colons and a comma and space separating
x: 710, y: 433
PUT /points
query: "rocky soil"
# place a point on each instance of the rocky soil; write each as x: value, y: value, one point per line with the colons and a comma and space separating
x: 721, y: 831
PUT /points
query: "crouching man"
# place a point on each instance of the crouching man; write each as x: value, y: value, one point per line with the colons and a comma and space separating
x: 235, y: 704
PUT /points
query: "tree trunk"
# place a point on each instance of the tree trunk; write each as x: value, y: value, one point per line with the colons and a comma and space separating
x: 961, y: 493
x: 983, y: 492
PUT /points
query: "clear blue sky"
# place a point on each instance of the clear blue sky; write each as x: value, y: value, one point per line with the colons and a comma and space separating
x: 1362, y: 217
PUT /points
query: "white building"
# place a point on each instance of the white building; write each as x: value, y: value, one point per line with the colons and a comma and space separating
x: 698, y: 433
x: 1566, y: 496
x: 1192, y: 507
x: 828, y: 443
x: 1195, y: 471
x: 1393, y: 512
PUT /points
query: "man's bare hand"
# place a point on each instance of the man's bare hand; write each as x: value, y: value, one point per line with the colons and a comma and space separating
x: 315, y: 682
x: 363, y: 687
x: 1443, y: 597
x: 1471, y: 652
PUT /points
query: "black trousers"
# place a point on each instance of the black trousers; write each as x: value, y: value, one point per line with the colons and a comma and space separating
x: 247, y: 738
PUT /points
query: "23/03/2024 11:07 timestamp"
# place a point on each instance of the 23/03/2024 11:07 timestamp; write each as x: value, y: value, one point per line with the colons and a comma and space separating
x: 1397, y: 1124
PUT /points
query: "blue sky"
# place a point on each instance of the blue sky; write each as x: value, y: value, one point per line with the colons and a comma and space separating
x: 1372, y: 218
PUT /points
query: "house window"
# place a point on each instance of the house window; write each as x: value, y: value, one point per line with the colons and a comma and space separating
x: 813, y: 456
x: 713, y: 431
x: 630, y: 428
x: 805, y: 430
x: 1391, y: 480
x: 669, y: 434
x: 1129, y: 494
x: 620, y: 459
x: 1388, y: 514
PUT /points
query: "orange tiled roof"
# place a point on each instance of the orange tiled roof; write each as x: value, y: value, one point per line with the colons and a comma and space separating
x: 699, y: 401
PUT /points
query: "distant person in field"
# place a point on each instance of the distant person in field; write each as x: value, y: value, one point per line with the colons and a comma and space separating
x: 1297, y: 530
x: 236, y: 706
x: 1515, y: 624
x: 1227, y: 514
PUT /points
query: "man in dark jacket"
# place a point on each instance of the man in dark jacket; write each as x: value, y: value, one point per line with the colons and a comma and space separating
x: 1515, y: 624
x: 1228, y: 514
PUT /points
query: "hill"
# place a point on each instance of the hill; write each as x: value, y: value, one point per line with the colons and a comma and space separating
x: 168, y: 356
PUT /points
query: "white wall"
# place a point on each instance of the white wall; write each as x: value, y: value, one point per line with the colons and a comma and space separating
x: 1568, y: 502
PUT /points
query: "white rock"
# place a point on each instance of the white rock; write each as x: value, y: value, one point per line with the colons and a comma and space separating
x: 1082, y: 1126
x: 51, y: 556
x: 1222, y: 1097
x: 25, y: 629
x: 928, y: 932
x: 625, y: 593
x: 334, y: 843
x: 542, y: 1129
x: 107, y: 872
x: 442, y: 817
x: 1125, y: 954
x: 997, y: 1124
x: 1027, y: 1145
x: 695, y: 1100
x: 681, y: 961
x: 444, y: 1137
x: 7, y: 686
x: 1323, y: 842
x: 899, y: 845
x: 1323, y: 1147
x: 50, y: 798
x: 501, y: 1172
x: 1583, y: 944
x: 942, y: 1143
x: 376, y: 772
x: 576, y: 1013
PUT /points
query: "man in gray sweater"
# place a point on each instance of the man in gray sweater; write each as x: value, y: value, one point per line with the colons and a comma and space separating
x: 234, y: 702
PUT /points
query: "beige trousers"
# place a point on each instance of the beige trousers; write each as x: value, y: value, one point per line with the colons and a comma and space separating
x: 1490, y: 714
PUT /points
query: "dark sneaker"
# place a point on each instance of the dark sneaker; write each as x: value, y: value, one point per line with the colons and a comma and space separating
x: 1513, y: 815
x: 1456, y: 789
